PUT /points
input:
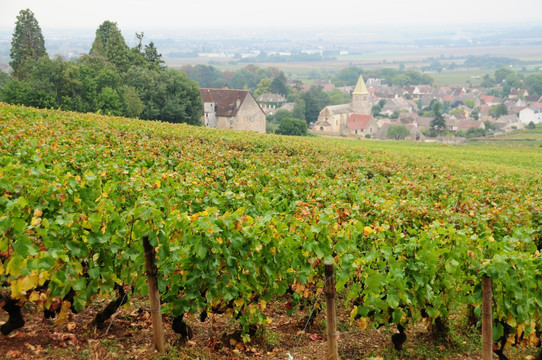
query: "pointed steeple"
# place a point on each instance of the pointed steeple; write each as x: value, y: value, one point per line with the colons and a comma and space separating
x: 360, y: 88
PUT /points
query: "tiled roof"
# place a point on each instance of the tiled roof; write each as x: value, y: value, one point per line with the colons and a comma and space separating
x: 225, y: 100
x: 339, y: 109
x: 271, y: 98
x: 358, y: 122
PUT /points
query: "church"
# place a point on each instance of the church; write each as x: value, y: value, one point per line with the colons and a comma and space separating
x: 352, y: 119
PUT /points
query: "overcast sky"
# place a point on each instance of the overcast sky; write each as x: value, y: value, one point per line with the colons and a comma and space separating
x: 153, y: 14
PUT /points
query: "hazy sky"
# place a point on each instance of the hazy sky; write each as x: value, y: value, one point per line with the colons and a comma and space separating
x: 150, y: 14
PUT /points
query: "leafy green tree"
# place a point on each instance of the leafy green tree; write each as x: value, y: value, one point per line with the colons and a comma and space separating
x: 470, y: 103
x: 206, y: 75
x: 337, y: 97
x: 315, y: 100
x: 501, y: 74
x: 531, y: 125
x: 534, y: 84
x: 110, y: 102
x: 152, y: 56
x: 475, y: 114
x: 133, y: 104
x: 490, y: 126
x: 27, y: 42
x: 39, y: 87
x: 299, y: 109
x: 457, y: 111
x: 292, y: 126
x: 475, y: 132
x: 110, y: 44
x: 279, y: 85
x: 4, y: 78
x: 168, y: 95
x: 348, y: 76
x: 398, y: 132
x: 498, y: 110
x: 487, y: 81
x: 263, y: 87
x: 376, y: 109
x: 282, y: 114
x: 438, y: 124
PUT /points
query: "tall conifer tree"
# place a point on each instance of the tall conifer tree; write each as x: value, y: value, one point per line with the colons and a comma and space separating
x: 27, y: 42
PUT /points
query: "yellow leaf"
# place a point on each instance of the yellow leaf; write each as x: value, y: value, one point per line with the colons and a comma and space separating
x: 38, y: 213
x: 363, y: 323
x: 63, y: 316
x: 219, y: 240
x: 511, y: 321
x: 1, y: 268
x: 263, y: 304
x: 353, y: 314
x: 239, y: 302
x: 30, y: 281
x: 15, y: 288
x: 34, y: 296
x: 367, y: 230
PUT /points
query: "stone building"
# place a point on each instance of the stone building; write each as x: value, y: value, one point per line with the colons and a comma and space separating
x: 231, y: 109
x: 334, y: 119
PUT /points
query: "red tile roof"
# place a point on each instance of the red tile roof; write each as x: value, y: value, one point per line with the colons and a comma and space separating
x: 358, y: 122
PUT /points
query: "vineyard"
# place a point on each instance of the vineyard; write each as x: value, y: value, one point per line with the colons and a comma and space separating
x: 238, y: 220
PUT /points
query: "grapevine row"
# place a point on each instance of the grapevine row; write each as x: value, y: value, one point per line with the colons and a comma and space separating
x: 238, y: 219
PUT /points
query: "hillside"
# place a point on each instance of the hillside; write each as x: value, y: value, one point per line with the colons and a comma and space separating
x: 241, y: 223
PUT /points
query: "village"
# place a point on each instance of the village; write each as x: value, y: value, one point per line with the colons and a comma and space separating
x: 468, y: 112
x: 467, y: 109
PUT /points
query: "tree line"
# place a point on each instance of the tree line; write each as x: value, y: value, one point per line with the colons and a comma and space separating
x: 111, y: 79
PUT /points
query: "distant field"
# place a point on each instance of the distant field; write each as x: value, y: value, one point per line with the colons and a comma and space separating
x: 378, y: 57
x: 493, y: 155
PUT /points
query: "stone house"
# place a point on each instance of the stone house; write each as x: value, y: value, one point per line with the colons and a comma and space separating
x: 362, y: 125
x: 232, y: 109
x: 470, y: 124
x: 398, y: 104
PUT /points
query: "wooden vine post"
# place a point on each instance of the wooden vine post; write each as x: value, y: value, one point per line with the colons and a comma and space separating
x: 329, y: 290
x: 154, y: 295
x: 487, y: 318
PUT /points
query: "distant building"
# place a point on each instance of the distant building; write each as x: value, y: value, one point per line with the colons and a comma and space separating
x: 529, y: 114
x: 334, y: 119
x: 232, y: 109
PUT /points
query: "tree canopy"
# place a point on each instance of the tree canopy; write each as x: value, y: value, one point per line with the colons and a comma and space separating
x: 111, y: 79
x: 27, y: 42
x: 110, y: 44
x: 438, y: 124
x: 292, y: 126
x: 397, y: 132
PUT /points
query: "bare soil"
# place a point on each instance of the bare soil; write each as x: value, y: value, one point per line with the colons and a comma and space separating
x: 128, y: 335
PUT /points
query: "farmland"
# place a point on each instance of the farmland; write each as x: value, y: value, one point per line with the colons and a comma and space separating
x: 239, y: 221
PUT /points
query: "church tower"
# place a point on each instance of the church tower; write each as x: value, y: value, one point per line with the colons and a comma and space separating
x: 360, y: 98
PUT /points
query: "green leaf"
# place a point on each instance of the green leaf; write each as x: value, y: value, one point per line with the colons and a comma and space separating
x: 201, y: 250
x: 392, y: 299
x: 23, y: 247
x: 19, y: 226
x: 79, y: 284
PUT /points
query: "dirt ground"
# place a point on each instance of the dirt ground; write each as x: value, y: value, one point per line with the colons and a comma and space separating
x: 128, y: 335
